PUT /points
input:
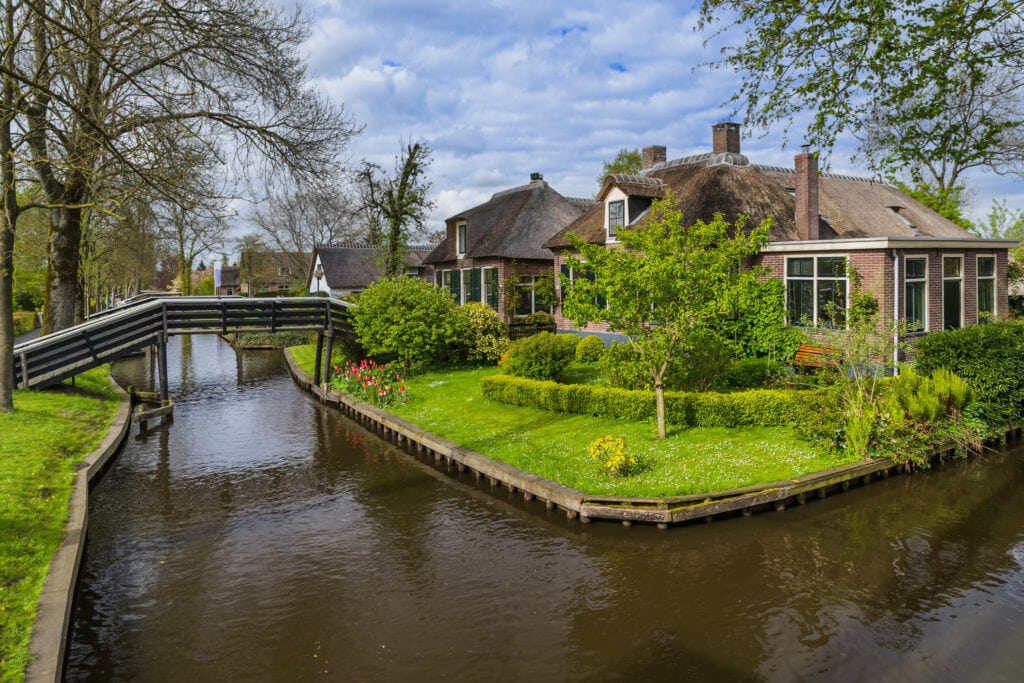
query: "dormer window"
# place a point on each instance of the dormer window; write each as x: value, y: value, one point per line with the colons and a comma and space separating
x: 460, y: 239
x: 616, y: 216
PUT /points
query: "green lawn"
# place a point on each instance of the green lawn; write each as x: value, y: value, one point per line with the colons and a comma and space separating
x: 554, y: 445
x: 41, y: 443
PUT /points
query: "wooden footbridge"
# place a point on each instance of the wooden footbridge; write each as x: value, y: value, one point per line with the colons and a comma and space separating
x: 123, y: 331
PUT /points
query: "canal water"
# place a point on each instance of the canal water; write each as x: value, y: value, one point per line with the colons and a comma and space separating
x: 263, y: 537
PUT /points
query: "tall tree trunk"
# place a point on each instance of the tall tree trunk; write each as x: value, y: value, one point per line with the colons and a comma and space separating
x: 62, y: 273
x: 8, y: 220
x: 7, y: 304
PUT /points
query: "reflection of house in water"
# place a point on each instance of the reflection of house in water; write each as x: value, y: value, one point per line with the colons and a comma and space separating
x: 341, y: 270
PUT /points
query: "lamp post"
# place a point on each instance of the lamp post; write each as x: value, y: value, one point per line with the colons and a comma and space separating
x: 318, y: 274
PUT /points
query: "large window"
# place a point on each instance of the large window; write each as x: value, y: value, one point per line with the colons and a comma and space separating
x: 471, y: 284
x: 952, y: 292
x: 528, y: 302
x: 616, y: 216
x: 915, y: 274
x: 460, y: 238
x: 816, y: 290
x: 986, y: 287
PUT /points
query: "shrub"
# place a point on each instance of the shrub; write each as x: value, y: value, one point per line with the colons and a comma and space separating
x: 24, y: 322
x: 759, y: 408
x: 274, y: 340
x: 540, y: 318
x: 410, y: 318
x: 751, y: 373
x: 486, y: 336
x: 541, y: 356
x: 620, y: 366
x: 990, y: 359
x: 612, y: 455
x: 590, y: 349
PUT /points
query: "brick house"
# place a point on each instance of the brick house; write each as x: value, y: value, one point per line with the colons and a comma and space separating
x: 342, y: 270
x: 919, y: 266
x: 499, y: 242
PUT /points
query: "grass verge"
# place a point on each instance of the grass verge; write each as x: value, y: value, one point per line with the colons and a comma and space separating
x: 41, y: 444
x: 554, y: 445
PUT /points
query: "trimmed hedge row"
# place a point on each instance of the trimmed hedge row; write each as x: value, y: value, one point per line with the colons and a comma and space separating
x: 756, y: 408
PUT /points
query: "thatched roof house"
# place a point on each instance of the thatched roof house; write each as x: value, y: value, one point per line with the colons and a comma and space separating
x: 350, y: 268
x: 918, y: 265
x: 500, y: 242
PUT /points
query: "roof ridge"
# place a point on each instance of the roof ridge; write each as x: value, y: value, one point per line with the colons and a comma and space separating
x: 766, y: 168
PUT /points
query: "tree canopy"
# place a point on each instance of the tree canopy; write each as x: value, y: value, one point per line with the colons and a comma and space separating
x: 665, y: 286
x: 929, y: 84
x: 626, y: 161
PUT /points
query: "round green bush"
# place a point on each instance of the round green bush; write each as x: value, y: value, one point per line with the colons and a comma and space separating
x: 486, y: 336
x: 590, y: 349
x: 541, y: 356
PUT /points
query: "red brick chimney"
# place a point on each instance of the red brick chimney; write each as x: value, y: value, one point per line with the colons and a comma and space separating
x: 807, y: 217
x: 655, y: 154
x: 725, y: 137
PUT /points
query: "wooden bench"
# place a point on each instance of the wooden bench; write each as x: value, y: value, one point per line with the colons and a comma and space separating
x: 811, y: 356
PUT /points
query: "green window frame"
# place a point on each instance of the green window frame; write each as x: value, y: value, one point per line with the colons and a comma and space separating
x: 616, y: 216
x: 952, y: 292
x: 490, y: 287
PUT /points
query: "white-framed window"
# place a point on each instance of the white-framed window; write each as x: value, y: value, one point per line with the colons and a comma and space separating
x: 816, y: 290
x: 952, y: 292
x: 528, y: 302
x: 986, y: 286
x: 460, y: 238
x: 915, y: 305
x: 616, y: 216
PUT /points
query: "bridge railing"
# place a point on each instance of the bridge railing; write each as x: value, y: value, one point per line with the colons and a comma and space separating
x: 50, y: 359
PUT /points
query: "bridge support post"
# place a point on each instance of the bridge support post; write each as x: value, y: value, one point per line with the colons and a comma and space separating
x: 319, y: 357
x: 327, y: 357
x: 161, y: 351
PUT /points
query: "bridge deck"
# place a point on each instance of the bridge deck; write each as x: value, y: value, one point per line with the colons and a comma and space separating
x: 46, y: 361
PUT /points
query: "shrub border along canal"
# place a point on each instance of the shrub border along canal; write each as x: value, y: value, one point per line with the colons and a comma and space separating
x: 660, y: 511
x: 53, y: 616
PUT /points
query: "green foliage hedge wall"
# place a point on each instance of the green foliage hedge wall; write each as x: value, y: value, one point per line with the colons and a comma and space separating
x: 757, y: 408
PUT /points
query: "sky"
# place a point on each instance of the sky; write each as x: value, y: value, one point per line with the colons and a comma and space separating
x: 501, y: 89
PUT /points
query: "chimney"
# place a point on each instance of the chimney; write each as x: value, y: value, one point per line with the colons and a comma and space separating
x: 725, y: 138
x: 655, y: 154
x: 807, y: 194
x: 536, y: 177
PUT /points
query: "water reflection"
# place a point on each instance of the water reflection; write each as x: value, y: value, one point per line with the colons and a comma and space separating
x: 263, y: 537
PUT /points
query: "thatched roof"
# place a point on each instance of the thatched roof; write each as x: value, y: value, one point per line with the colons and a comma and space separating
x: 728, y: 184
x: 355, y: 266
x: 513, y: 224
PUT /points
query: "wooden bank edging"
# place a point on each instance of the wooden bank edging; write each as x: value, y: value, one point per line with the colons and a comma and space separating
x: 53, y: 616
x: 660, y: 511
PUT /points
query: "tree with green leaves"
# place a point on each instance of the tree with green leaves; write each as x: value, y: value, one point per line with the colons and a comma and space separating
x: 393, y: 205
x: 627, y: 161
x: 930, y: 79
x: 665, y: 287
x: 410, y: 318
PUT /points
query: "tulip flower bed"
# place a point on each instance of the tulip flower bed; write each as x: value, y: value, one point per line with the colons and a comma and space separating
x: 381, y: 385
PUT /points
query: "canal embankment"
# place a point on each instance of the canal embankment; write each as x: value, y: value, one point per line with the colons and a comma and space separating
x: 50, y: 628
x: 661, y: 511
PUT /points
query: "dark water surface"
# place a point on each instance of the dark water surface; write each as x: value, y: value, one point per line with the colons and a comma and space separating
x: 264, y: 537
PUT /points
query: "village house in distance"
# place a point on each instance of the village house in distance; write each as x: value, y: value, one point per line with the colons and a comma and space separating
x: 346, y: 269
x: 497, y: 245
x: 920, y: 267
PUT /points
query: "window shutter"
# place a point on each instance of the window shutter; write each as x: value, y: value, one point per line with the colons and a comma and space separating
x: 474, y: 286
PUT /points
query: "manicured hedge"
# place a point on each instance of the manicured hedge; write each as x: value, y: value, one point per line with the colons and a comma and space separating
x: 757, y: 408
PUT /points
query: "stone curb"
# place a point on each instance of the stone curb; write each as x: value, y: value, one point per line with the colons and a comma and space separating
x: 53, y: 617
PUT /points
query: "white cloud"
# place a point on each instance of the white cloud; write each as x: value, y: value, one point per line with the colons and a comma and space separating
x: 505, y: 88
